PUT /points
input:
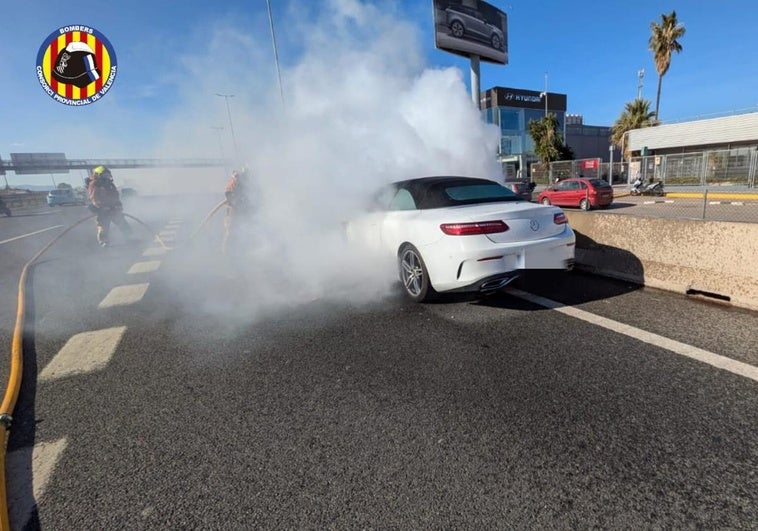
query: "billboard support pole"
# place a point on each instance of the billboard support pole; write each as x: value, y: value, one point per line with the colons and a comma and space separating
x: 475, y: 90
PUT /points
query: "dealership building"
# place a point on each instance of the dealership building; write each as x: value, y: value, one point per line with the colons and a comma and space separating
x: 724, y: 133
x: 512, y: 109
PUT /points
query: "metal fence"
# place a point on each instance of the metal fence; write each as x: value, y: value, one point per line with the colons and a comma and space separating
x: 733, y: 167
x: 719, y: 185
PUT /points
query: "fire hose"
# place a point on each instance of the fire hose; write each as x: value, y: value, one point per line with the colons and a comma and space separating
x: 17, y: 359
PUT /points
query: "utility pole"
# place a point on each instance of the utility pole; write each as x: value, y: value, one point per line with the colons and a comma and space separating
x: 231, y: 126
x: 640, y: 75
x: 218, y: 130
x: 276, y: 54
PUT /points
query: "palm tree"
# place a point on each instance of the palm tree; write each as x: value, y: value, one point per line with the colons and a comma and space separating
x: 662, y: 42
x: 636, y: 115
x: 548, y: 141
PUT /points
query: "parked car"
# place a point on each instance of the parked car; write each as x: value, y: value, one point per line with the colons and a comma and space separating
x: 578, y: 192
x: 64, y: 196
x: 458, y: 234
x: 465, y: 21
x: 521, y: 188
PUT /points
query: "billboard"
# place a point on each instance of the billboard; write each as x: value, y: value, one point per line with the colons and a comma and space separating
x: 37, y: 163
x: 471, y: 27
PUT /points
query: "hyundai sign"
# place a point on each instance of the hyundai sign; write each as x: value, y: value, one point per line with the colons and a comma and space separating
x: 471, y: 27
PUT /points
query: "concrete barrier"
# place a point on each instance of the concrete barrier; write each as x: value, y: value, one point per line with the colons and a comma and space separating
x: 715, y: 259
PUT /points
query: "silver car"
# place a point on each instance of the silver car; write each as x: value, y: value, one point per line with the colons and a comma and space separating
x: 465, y: 22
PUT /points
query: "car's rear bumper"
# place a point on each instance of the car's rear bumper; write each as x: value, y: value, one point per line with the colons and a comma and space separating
x: 468, y: 270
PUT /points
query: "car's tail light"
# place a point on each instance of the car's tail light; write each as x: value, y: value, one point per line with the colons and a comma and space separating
x: 478, y: 227
x: 560, y: 218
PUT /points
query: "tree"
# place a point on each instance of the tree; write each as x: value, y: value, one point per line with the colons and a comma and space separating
x: 548, y: 141
x: 663, y: 41
x: 636, y: 115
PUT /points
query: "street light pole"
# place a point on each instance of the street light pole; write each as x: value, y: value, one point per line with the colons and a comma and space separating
x: 610, y: 167
x: 276, y: 54
x: 544, y: 94
x: 231, y: 126
x: 218, y: 130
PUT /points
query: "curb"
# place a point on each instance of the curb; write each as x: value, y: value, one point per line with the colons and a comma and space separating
x: 750, y: 196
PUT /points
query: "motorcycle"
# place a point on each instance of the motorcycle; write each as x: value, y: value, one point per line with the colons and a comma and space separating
x: 653, y: 188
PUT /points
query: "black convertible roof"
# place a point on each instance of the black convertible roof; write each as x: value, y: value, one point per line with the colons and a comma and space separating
x: 429, y: 192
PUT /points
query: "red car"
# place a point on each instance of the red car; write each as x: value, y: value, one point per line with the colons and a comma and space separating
x: 578, y: 192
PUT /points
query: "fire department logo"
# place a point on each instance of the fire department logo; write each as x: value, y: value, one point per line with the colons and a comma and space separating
x: 76, y: 65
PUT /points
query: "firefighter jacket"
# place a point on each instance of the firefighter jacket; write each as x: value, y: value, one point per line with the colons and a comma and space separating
x: 104, y: 194
x: 236, y: 193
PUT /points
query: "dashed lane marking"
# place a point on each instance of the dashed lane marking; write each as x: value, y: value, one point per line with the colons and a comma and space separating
x: 83, y: 353
x: 28, y: 472
x: 124, y: 295
x: 154, y: 251
x: 167, y: 233
x: 172, y: 226
x: 30, y: 234
x: 144, y: 267
x: 715, y: 360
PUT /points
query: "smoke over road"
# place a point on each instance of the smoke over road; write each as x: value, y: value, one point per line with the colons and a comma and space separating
x: 361, y: 108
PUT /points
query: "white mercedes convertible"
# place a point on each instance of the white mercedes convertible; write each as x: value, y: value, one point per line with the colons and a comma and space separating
x: 455, y: 234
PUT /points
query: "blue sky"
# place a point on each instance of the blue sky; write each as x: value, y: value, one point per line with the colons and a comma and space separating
x: 590, y: 49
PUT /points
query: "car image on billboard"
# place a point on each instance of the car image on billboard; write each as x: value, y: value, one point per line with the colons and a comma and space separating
x: 471, y: 27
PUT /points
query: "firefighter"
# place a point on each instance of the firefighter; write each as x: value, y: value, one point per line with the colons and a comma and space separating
x: 106, y: 203
x: 238, y: 208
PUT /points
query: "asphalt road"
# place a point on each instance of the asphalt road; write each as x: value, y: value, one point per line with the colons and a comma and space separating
x: 368, y: 412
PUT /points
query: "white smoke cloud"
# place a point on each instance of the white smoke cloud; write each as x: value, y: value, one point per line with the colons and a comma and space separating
x: 360, y: 109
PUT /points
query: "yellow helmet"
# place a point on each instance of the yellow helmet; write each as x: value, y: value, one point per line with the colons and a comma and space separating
x: 102, y: 171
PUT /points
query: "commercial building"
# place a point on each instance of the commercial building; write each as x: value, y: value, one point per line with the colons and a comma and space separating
x: 512, y: 109
x: 588, y: 141
x: 727, y: 132
x: 703, y: 152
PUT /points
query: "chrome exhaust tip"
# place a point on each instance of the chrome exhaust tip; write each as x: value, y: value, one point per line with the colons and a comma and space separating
x: 493, y: 285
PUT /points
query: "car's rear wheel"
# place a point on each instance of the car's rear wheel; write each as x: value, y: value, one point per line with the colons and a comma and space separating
x: 545, y: 201
x: 414, y: 275
x: 457, y: 29
x: 584, y: 204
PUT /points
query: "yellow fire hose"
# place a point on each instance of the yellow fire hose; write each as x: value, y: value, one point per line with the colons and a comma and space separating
x: 209, y: 216
x: 17, y: 360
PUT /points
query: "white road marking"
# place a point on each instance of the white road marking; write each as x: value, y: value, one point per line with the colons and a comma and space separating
x: 83, y: 353
x: 174, y: 221
x: 26, y: 487
x: 172, y: 226
x: 683, y: 349
x: 154, y: 251
x: 166, y: 233
x: 124, y: 295
x: 30, y: 234
x: 144, y: 267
